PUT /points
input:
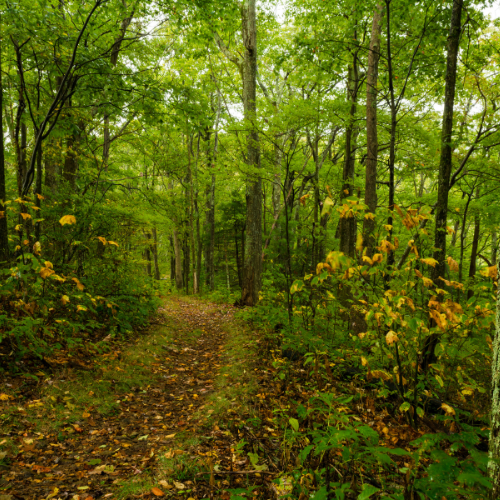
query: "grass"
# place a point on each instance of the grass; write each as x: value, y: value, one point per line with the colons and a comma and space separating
x: 68, y: 400
x: 241, y: 350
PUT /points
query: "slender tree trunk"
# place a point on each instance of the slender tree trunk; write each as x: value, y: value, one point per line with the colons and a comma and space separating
x: 178, y: 261
x: 473, y: 255
x: 392, y: 142
x: 4, y: 236
x: 253, y: 239
x: 371, y: 132
x: 347, y: 225
x: 71, y: 160
x: 115, y: 51
x: 456, y: 227
x: 276, y: 195
x: 494, y: 448
x: 494, y: 245
x: 445, y: 164
x: 38, y: 190
x: 154, y: 249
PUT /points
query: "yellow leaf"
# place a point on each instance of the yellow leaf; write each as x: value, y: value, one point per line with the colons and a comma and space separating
x: 364, y: 361
x: 378, y: 257
x: 18, y: 247
x: 367, y: 260
x: 113, y: 243
x: 327, y: 206
x: 102, y: 240
x: 430, y: 261
x: 18, y: 227
x: 81, y: 308
x: 490, y: 272
x: 453, y: 264
x: 388, y: 227
x: 391, y: 337
x: 67, y: 219
x: 79, y: 285
x: 440, y: 319
x: 381, y: 374
x: 40, y: 197
x: 370, y: 216
x: 359, y: 242
x: 386, y: 246
x: 64, y: 299
x: 448, y: 409
x: 37, y: 248
x: 4, y: 397
x: 45, y: 272
x: 25, y: 216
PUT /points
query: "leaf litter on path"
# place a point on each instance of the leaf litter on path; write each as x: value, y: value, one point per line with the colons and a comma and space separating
x: 89, y: 456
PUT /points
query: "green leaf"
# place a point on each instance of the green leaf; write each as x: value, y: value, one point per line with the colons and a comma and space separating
x: 296, y: 286
x: 368, y: 491
x: 405, y: 406
x: 294, y: 423
x: 327, y: 206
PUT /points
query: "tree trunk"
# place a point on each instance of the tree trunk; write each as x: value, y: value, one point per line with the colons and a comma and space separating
x: 115, y: 51
x: 253, y: 239
x: 445, y: 164
x: 371, y: 132
x: 4, y: 237
x: 154, y: 249
x: 494, y: 246
x: 71, y: 160
x: 473, y: 255
x: 38, y: 190
x: 178, y: 261
x: 392, y: 142
x: 494, y: 448
x: 347, y: 225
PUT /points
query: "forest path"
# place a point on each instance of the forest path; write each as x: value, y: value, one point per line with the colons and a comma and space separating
x: 113, y: 430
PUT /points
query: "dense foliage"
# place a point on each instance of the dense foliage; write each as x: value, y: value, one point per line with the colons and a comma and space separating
x: 333, y: 163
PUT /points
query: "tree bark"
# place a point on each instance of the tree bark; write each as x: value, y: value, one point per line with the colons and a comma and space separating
x: 445, y: 164
x: 494, y: 448
x: 4, y: 236
x: 347, y: 226
x: 371, y: 132
x: 473, y: 255
x: 115, y: 51
x: 252, y: 270
x: 154, y: 249
x: 178, y: 261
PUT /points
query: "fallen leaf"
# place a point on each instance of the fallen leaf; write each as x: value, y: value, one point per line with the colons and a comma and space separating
x: 179, y: 486
x: 157, y: 492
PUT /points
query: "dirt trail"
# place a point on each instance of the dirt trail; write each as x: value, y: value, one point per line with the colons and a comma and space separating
x: 91, y: 455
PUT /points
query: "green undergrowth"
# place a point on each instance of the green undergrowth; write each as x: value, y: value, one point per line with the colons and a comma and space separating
x: 236, y: 382
x: 70, y: 396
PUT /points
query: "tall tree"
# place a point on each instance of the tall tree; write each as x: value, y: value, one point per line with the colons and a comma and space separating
x: 4, y: 240
x: 371, y: 131
x: 445, y: 162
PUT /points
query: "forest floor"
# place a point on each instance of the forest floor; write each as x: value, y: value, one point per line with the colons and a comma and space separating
x: 146, y: 418
x: 194, y: 407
